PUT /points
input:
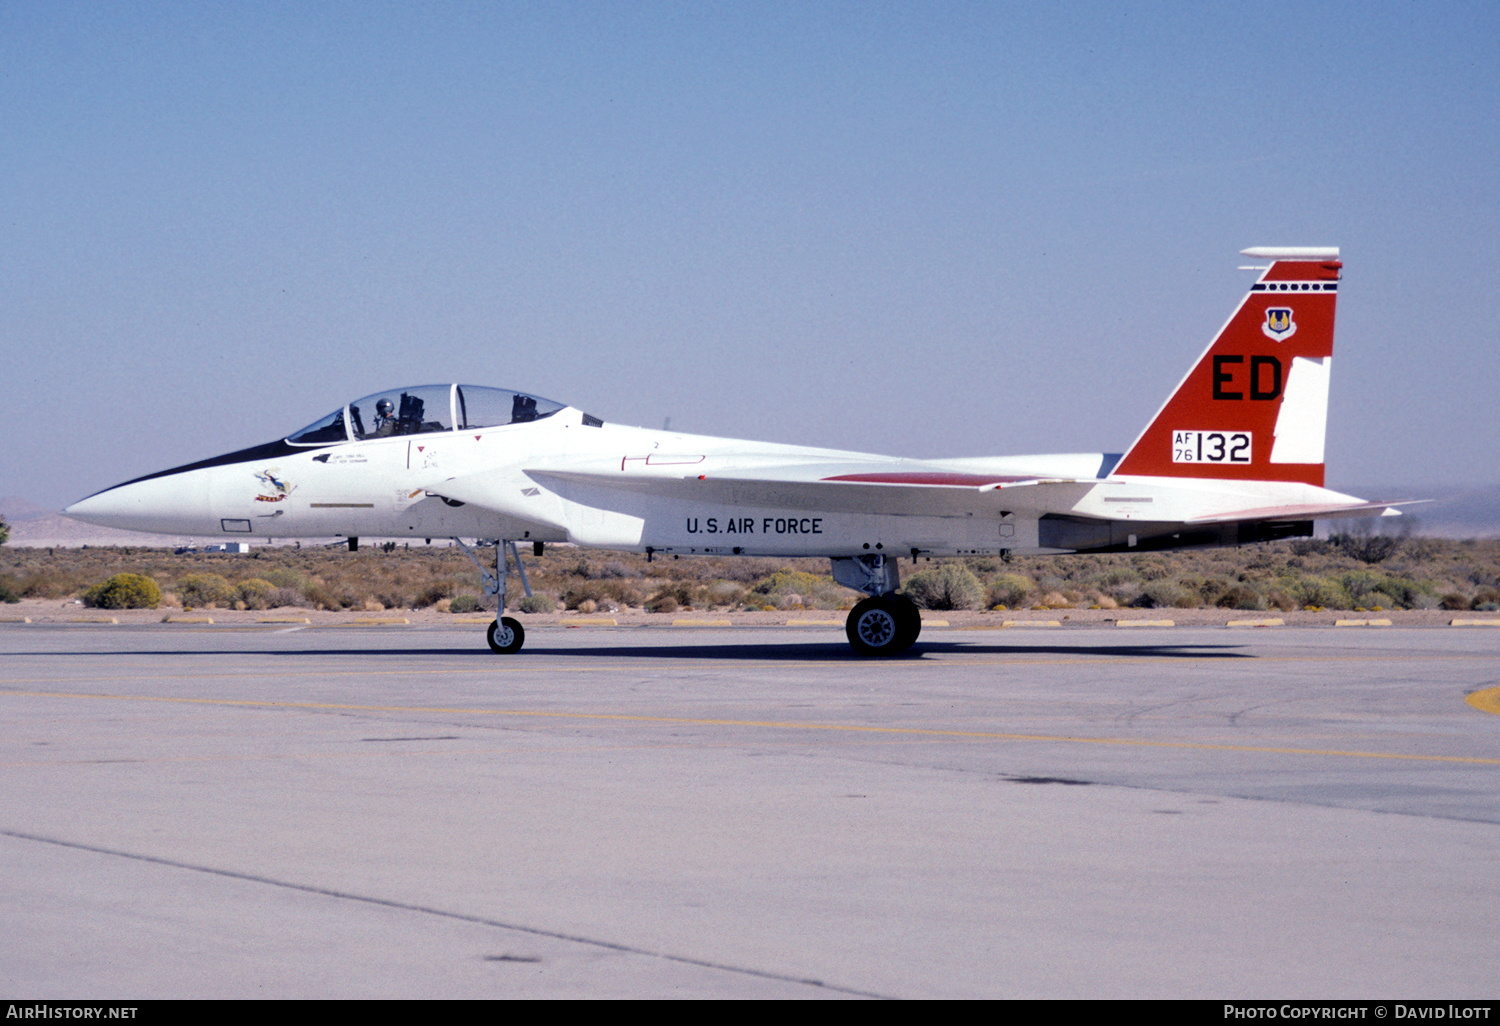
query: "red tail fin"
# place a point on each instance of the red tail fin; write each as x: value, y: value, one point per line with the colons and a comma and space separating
x: 1255, y: 405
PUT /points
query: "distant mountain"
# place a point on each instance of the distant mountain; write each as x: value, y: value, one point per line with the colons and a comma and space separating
x: 13, y: 507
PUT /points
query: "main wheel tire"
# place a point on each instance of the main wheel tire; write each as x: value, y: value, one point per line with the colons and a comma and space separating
x: 911, y: 620
x: 505, y: 635
x: 881, y: 626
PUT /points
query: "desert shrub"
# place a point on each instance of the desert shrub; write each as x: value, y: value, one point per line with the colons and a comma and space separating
x: 605, y: 594
x: 1409, y: 593
x: 464, y: 604
x: 798, y: 589
x: 287, y: 597
x: 947, y: 586
x: 285, y: 577
x: 1008, y: 590
x: 1241, y: 595
x: 1153, y: 569
x: 124, y: 591
x: 724, y: 593
x: 435, y: 593
x: 320, y: 596
x: 538, y: 603
x: 1323, y: 592
x: 1161, y: 593
x: 48, y: 584
x: 663, y: 603
x: 1281, y: 597
x: 610, y: 569
x: 1389, y: 591
x: 257, y: 593
x: 785, y: 580
x: 1364, y: 546
x: 204, y: 589
x: 685, y: 593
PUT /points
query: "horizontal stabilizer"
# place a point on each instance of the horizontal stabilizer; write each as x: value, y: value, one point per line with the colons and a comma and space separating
x: 1311, y: 511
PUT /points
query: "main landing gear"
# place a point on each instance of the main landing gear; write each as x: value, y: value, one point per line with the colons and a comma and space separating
x: 885, y: 624
x: 505, y: 634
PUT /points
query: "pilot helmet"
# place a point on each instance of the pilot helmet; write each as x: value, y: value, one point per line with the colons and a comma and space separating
x: 384, y: 407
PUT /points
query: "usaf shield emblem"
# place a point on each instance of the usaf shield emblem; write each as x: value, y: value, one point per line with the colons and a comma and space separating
x: 1279, y: 325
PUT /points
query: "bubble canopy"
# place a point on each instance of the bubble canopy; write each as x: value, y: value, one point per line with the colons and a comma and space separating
x: 422, y: 409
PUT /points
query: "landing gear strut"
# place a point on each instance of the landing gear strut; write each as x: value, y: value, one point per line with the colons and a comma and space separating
x: 505, y: 635
x: 885, y: 624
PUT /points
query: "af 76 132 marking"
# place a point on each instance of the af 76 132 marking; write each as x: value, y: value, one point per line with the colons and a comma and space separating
x: 1211, y: 447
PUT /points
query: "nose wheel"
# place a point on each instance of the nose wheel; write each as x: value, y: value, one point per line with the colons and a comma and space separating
x: 885, y: 625
x: 506, y: 635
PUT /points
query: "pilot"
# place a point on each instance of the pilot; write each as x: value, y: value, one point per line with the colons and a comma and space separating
x: 385, y: 418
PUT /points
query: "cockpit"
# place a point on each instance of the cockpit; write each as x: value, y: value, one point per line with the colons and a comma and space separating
x: 422, y: 409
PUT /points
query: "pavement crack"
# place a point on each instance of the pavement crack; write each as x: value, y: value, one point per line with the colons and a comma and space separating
x: 500, y: 924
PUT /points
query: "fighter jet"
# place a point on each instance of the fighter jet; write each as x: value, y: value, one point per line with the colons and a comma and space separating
x: 1234, y: 455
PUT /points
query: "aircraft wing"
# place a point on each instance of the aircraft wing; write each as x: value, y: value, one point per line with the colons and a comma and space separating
x: 891, y: 492
x: 891, y: 488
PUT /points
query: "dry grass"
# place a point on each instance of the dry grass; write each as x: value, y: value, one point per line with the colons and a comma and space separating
x: 1304, y: 574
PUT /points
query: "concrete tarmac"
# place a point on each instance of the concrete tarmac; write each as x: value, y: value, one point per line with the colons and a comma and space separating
x: 271, y: 811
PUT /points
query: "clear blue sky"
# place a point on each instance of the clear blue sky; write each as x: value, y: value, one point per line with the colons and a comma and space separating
x: 928, y: 229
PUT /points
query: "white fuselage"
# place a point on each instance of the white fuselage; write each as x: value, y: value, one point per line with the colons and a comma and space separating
x: 567, y: 478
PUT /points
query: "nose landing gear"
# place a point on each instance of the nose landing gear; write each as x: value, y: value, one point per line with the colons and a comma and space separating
x: 505, y: 635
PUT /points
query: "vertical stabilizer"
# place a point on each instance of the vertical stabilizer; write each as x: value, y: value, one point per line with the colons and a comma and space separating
x: 1255, y: 405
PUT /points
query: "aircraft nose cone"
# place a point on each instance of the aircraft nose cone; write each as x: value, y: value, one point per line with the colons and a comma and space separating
x: 102, y: 508
x: 175, y: 503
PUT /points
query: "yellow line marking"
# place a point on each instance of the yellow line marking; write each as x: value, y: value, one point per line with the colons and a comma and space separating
x: 1273, y: 621
x: 1474, y: 623
x: 1487, y: 700
x: 974, y: 735
x: 1145, y: 623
